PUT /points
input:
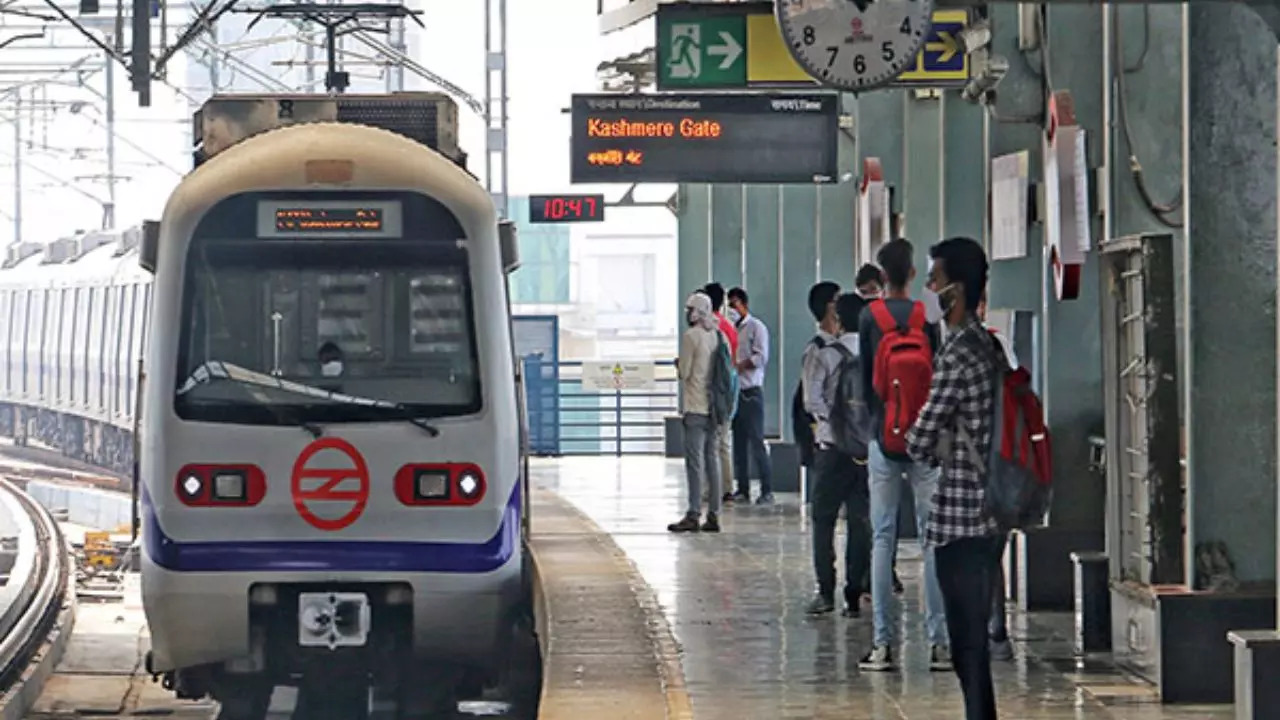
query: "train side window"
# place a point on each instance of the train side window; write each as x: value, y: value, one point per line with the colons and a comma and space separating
x: 48, y: 339
x: 27, y: 303
x: 125, y: 351
x: 105, y: 381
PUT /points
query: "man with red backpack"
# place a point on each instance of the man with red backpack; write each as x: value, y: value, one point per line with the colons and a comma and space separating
x: 898, y: 346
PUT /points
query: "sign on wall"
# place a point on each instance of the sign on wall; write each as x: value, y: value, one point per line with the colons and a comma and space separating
x: 618, y: 375
x: 1009, y: 190
x: 729, y: 138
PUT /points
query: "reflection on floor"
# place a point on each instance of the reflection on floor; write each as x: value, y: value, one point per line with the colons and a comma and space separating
x: 735, y: 601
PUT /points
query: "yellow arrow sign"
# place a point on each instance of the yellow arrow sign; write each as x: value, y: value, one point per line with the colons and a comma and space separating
x: 946, y: 45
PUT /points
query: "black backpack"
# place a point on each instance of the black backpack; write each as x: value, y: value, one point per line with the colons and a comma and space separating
x: 802, y: 421
x: 850, y: 417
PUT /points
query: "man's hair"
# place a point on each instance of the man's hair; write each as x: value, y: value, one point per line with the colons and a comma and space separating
x: 715, y: 291
x: 329, y: 350
x: 820, y: 296
x: 739, y: 294
x: 895, y: 258
x: 849, y: 308
x: 964, y: 261
x: 868, y: 273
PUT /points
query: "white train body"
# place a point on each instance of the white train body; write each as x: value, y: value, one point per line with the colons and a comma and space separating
x: 298, y: 523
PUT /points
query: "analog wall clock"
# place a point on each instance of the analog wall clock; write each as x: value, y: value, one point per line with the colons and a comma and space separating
x: 854, y: 45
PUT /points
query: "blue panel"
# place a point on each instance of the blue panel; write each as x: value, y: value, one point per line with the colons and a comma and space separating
x: 764, y: 267
x: 537, y: 344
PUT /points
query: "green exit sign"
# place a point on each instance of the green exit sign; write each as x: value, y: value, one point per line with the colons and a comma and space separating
x: 706, y: 51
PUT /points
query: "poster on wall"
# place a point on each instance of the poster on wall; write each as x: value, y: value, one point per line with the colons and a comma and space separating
x: 1009, y: 189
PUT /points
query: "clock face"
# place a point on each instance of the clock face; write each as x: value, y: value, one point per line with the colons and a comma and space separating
x: 854, y: 44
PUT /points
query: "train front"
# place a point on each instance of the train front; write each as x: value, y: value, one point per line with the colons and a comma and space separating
x: 330, y: 455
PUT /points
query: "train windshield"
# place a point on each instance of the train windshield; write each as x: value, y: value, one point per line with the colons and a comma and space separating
x: 293, y: 332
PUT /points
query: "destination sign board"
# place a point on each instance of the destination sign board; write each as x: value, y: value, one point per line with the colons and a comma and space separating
x: 365, y: 218
x: 722, y: 138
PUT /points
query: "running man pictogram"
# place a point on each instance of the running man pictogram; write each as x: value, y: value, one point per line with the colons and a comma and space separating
x: 686, y: 51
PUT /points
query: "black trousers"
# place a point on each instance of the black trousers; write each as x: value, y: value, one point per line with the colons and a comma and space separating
x: 748, y: 442
x: 839, y: 481
x: 966, y: 573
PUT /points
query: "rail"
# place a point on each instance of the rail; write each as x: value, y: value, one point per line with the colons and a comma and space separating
x: 588, y: 422
x: 36, y: 592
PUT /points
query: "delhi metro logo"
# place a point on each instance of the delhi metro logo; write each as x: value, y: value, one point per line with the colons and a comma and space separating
x: 330, y: 484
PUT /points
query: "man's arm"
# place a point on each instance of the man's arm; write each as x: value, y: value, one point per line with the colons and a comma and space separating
x: 758, y: 351
x: 813, y: 375
x: 684, y: 366
x: 866, y: 350
x: 945, y: 392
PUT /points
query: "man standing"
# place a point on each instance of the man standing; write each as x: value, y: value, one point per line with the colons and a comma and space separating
x: 701, y: 438
x: 715, y: 291
x: 751, y: 359
x: 898, y: 346
x: 954, y: 432
x: 839, y: 479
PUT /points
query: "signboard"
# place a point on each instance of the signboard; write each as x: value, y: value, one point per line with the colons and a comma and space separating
x: 566, y: 208
x: 738, y: 45
x: 722, y: 138
x: 618, y: 375
x: 330, y: 498
x: 329, y: 218
x: 1009, y: 196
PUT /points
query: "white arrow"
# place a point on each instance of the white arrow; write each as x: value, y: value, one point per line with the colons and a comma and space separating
x: 728, y: 52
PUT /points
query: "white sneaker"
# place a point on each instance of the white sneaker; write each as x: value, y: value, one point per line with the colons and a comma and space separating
x: 880, y: 659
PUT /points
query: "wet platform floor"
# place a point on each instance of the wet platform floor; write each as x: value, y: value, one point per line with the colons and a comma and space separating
x: 735, y: 603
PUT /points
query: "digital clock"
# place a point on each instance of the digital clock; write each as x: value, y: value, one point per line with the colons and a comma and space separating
x: 566, y: 208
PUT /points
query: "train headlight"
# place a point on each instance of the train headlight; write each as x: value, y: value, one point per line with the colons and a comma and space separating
x: 229, y: 485
x: 431, y: 485
x: 192, y: 485
x: 470, y: 485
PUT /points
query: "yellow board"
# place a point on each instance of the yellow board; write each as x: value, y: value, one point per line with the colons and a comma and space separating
x: 769, y: 62
x: 768, y: 59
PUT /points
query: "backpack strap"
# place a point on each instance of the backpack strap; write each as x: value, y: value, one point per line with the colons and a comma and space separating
x: 884, y: 318
x: 918, y: 318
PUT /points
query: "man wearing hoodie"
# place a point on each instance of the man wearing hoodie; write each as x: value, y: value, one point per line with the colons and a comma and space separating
x: 841, y: 479
x: 701, y: 436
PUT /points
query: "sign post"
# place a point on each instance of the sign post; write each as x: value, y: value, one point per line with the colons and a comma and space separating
x: 616, y: 376
x: 732, y: 46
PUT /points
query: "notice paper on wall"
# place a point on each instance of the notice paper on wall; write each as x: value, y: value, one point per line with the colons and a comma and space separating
x: 1009, y: 181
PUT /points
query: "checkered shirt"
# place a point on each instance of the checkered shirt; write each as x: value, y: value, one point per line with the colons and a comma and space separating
x: 962, y: 391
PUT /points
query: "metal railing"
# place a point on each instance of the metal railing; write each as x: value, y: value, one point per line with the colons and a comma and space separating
x: 623, y: 422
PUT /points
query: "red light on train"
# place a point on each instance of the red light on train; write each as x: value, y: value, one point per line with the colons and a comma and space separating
x: 208, y: 485
x: 440, y: 484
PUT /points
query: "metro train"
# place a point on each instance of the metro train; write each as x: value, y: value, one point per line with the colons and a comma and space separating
x: 332, y: 468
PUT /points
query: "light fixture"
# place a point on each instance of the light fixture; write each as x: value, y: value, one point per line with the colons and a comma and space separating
x: 192, y: 485
x: 229, y: 485
x: 469, y: 485
x: 431, y: 484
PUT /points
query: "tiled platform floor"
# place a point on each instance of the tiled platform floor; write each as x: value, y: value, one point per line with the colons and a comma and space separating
x: 735, y: 602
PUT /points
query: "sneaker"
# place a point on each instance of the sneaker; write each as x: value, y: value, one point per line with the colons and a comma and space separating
x: 939, y: 658
x: 820, y: 606
x: 851, y: 610
x: 765, y: 499
x: 880, y: 659
x: 689, y: 523
x: 1001, y: 649
x: 897, y: 584
x: 739, y: 497
x: 712, y: 525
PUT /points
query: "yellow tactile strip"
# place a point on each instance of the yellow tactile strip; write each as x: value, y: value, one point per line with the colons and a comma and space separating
x: 607, y: 649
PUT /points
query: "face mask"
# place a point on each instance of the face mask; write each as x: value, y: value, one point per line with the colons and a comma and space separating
x: 688, y: 316
x: 733, y: 316
x: 331, y: 369
x: 932, y: 306
x: 947, y: 298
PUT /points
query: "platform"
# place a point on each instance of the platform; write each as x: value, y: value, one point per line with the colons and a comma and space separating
x: 735, y: 604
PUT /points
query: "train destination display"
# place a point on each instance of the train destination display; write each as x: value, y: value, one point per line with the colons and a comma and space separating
x: 722, y: 138
x: 370, y: 218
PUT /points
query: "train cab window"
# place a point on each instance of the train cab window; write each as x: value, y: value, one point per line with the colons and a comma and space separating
x: 281, y: 332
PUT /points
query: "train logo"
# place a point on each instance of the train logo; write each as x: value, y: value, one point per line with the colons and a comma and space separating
x: 317, y: 491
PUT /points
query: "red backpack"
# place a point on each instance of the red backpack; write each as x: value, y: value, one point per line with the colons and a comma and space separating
x: 1019, y: 483
x: 902, y: 372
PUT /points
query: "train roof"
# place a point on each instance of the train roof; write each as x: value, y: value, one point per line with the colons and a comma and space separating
x: 76, y: 259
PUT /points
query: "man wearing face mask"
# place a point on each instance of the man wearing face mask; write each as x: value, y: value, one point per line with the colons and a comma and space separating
x: 330, y: 357
x: 899, y: 343
x: 715, y: 291
x: 701, y: 437
x: 870, y: 282
x: 954, y: 433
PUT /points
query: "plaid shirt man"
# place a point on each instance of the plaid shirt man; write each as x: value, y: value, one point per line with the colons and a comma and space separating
x: 962, y: 391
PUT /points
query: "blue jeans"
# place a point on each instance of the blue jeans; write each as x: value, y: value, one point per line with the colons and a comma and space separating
x: 886, y: 482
